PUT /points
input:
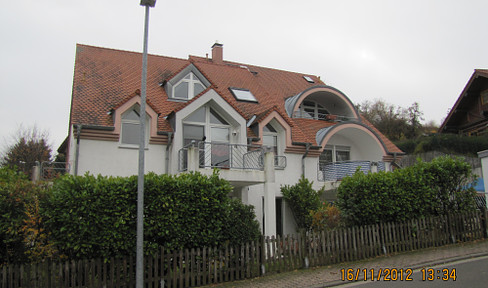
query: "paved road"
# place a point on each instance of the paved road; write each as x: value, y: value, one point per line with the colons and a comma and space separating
x: 472, y: 273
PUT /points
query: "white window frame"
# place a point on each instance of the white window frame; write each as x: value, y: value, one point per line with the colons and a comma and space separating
x: 274, y: 135
x: 123, y: 121
x: 335, y: 149
x: 243, y: 95
x: 208, y: 128
x: 191, y: 86
x: 315, y: 108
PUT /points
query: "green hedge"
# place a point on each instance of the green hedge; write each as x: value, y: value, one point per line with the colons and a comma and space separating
x: 14, y: 193
x: 447, y: 143
x: 21, y: 233
x: 96, y: 216
x: 424, y: 189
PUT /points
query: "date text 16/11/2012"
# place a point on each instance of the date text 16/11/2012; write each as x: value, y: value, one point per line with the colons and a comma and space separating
x: 396, y: 274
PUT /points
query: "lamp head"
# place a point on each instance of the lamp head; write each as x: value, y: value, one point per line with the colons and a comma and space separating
x: 149, y: 3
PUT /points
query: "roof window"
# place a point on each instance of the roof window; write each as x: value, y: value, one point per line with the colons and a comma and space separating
x: 309, y: 79
x: 243, y: 95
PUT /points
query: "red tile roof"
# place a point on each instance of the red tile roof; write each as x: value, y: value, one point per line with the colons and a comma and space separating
x: 106, y: 78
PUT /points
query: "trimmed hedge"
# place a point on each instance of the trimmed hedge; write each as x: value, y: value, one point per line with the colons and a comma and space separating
x: 302, y: 199
x: 96, y: 216
x: 425, y: 189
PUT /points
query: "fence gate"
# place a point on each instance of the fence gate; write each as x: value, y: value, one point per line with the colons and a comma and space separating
x: 50, y: 170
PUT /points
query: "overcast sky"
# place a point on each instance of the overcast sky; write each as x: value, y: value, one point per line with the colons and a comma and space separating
x: 399, y: 51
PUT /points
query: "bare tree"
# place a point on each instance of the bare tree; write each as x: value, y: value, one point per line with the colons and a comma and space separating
x: 395, y: 122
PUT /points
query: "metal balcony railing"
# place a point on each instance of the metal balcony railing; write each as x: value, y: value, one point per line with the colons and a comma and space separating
x: 228, y: 156
x: 338, y: 170
x: 321, y: 116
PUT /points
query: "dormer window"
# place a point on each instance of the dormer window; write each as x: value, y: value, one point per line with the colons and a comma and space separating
x: 313, y: 110
x: 130, y: 127
x: 187, y: 84
x: 188, y: 87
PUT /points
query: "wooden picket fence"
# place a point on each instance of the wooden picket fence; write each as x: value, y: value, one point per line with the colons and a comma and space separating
x: 197, y: 267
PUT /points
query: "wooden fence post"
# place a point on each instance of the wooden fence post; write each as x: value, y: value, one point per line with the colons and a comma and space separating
x: 262, y: 258
x: 484, y: 222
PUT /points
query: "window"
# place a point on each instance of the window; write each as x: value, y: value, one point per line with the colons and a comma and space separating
x: 309, y: 79
x: 188, y: 87
x: 332, y: 154
x: 333, y: 162
x: 243, y: 95
x: 206, y: 123
x: 313, y: 110
x: 484, y: 97
x: 130, y: 127
x: 270, y: 138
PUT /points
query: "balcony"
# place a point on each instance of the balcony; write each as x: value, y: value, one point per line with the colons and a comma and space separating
x: 338, y: 170
x: 228, y: 156
x: 321, y: 116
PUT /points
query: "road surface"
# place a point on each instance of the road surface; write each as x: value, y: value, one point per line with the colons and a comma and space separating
x: 472, y: 273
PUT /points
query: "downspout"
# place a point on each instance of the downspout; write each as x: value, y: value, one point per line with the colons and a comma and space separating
x: 307, y: 148
x: 170, y: 142
x: 77, y: 155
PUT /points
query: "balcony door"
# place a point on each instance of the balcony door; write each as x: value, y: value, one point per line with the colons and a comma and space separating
x: 206, y: 126
x: 334, y: 154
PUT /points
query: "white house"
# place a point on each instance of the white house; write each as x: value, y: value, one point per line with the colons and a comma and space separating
x: 262, y: 127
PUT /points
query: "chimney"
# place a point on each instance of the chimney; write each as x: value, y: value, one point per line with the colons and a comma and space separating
x: 218, y: 53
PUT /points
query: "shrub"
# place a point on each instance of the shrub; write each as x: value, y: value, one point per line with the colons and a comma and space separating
x: 326, y: 217
x: 90, y: 216
x: 424, y: 189
x: 302, y: 199
x: 96, y: 216
x: 447, y: 143
x: 241, y: 226
x: 22, y: 236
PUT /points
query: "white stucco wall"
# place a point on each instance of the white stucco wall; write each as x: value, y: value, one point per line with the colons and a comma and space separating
x: 107, y: 158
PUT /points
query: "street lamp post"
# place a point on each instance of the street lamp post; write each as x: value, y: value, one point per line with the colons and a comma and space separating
x: 142, y: 144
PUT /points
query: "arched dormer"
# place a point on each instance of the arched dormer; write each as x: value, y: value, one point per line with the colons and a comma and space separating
x: 322, y: 103
x: 361, y: 141
x: 187, y: 84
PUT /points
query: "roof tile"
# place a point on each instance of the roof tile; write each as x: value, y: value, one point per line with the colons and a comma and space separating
x: 105, y: 78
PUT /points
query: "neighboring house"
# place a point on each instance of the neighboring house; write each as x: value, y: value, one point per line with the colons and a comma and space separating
x: 205, y: 113
x: 469, y: 115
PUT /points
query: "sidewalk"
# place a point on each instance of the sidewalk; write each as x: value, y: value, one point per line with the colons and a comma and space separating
x: 329, y: 276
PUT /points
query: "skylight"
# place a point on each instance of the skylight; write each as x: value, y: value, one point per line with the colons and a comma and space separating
x: 309, y: 79
x: 243, y: 95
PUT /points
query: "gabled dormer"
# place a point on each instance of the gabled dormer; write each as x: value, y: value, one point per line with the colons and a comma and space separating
x: 187, y: 84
